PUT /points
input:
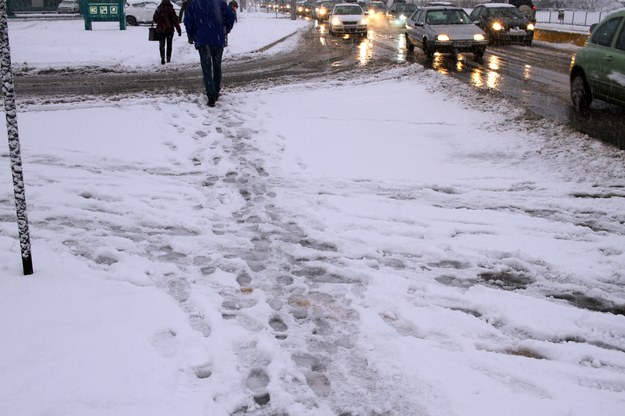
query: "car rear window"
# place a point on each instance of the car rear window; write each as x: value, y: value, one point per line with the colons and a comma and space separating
x: 604, y: 32
x: 506, y: 12
x: 519, y: 3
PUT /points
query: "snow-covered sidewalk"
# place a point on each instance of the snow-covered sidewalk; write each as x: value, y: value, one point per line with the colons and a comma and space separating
x: 43, y: 44
x: 288, y: 253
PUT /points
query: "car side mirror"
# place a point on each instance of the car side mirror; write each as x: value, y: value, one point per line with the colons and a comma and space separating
x: 593, y: 27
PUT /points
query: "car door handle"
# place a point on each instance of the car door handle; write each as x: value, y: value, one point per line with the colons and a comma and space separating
x: 608, y: 58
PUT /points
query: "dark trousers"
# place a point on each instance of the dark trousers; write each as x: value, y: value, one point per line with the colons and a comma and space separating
x: 161, y: 46
x: 210, y: 60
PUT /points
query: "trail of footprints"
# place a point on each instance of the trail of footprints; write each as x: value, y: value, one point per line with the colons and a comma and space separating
x: 308, y: 301
x: 289, y: 302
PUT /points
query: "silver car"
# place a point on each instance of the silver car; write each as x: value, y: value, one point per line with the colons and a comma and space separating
x: 142, y: 11
x: 68, y: 6
x: 348, y: 18
x: 445, y: 30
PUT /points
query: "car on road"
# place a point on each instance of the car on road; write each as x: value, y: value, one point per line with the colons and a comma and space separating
x: 142, y: 11
x: 503, y: 22
x: 304, y: 8
x: 322, y: 10
x: 68, y: 6
x: 444, y: 30
x: 398, y: 13
x: 598, y: 69
x: 525, y: 6
x: 376, y: 13
x: 348, y: 18
x: 375, y: 8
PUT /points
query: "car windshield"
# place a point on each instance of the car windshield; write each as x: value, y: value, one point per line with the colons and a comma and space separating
x: 506, y: 12
x: 347, y: 10
x: 447, y: 17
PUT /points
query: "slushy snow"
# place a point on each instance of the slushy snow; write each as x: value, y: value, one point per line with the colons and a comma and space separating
x: 428, y: 251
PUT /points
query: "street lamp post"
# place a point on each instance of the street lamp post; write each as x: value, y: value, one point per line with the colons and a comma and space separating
x: 8, y: 91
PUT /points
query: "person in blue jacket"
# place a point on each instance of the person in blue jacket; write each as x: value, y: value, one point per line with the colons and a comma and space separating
x: 207, y: 23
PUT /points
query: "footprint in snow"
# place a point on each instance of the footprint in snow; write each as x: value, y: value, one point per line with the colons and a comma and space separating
x: 198, y: 322
x: 244, y: 280
x: 197, y: 358
x: 165, y: 343
x: 257, y: 382
x: 230, y: 177
x: 279, y: 326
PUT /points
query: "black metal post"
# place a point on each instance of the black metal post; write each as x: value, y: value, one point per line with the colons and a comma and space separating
x: 8, y: 91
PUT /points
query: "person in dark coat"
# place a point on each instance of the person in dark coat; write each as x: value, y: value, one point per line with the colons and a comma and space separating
x: 183, y: 7
x: 166, y: 23
x: 234, y: 6
x: 207, y: 22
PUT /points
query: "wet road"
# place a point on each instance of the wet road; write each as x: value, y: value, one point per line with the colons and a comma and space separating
x: 536, y: 77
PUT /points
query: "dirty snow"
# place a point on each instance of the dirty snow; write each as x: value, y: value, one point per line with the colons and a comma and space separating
x: 288, y: 253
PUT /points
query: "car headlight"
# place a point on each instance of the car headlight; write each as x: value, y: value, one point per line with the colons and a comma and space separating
x: 478, y: 37
x: 363, y: 21
x: 402, y: 17
x: 335, y: 21
x: 442, y: 38
x: 530, y: 26
x: 322, y: 12
x: 497, y: 26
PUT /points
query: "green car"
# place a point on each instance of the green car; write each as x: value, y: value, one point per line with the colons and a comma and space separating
x: 598, y: 69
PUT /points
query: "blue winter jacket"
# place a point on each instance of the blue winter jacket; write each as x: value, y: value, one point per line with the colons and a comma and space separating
x: 207, y: 22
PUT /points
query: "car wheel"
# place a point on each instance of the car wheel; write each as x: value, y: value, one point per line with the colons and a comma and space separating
x: 580, y: 93
x: 409, y: 44
x: 131, y: 20
x: 479, y: 55
x: 429, y: 52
